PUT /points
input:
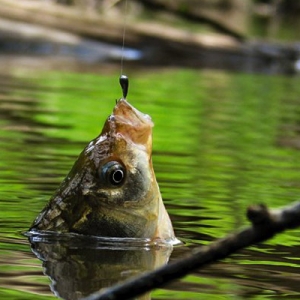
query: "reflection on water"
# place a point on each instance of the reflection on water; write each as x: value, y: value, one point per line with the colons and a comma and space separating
x: 221, y: 142
x: 78, y: 265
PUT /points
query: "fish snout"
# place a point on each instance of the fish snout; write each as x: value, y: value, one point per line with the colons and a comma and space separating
x: 132, y: 124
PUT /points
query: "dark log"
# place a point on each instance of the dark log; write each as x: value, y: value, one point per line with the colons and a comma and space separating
x: 99, y: 27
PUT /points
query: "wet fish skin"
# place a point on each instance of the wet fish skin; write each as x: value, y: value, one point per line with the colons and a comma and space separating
x: 87, y: 203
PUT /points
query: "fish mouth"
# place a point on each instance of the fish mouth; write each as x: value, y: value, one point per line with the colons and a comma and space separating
x: 131, y: 124
x: 125, y: 112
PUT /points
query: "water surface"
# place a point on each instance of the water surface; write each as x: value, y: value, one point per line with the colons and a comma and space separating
x: 222, y: 142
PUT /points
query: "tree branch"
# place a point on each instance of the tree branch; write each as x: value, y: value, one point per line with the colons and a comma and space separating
x: 216, y: 19
x: 265, y: 224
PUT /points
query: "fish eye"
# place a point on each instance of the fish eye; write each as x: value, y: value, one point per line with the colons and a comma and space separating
x: 113, y: 173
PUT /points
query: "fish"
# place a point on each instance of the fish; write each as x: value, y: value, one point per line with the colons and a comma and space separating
x: 112, y: 191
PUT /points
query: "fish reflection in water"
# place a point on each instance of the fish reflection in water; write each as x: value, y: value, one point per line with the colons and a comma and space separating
x: 79, y: 265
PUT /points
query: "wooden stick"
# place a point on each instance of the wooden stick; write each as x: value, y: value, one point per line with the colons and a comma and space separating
x: 265, y: 224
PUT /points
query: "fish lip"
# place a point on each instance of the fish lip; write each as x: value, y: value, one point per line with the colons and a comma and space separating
x: 124, y: 112
x: 127, y: 123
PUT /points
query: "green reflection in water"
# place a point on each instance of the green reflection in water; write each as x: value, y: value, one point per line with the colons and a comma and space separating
x: 221, y: 142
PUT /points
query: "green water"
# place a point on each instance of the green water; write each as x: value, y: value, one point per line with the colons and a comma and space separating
x: 222, y: 142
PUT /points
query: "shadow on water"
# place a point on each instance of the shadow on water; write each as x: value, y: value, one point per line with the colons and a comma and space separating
x: 222, y: 141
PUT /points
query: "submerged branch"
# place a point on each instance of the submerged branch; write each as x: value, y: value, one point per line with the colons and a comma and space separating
x: 265, y: 224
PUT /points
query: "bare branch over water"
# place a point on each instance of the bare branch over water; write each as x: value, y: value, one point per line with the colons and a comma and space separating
x: 265, y: 224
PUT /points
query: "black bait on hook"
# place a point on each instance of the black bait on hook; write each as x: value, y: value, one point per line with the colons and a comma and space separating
x: 124, y: 85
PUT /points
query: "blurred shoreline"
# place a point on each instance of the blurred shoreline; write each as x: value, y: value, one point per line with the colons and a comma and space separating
x: 46, y: 35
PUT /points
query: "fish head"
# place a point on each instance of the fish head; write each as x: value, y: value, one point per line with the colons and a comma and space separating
x: 112, y: 190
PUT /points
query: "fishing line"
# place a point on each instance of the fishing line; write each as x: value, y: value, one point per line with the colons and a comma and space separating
x: 124, y: 35
x: 124, y: 82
